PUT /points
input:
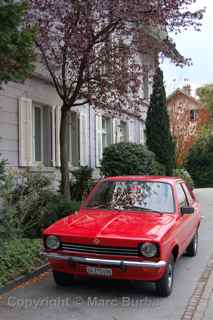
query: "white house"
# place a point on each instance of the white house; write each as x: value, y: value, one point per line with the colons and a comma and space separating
x: 30, y: 120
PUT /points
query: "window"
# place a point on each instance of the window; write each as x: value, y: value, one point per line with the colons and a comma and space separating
x: 182, y: 200
x: 193, y: 115
x: 106, y: 132
x: 37, y: 133
x: 146, y: 84
x: 123, y: 131
x: 74, y: 138
x: 42, y: 134
x: 133, y: 195
x: 188, y: 194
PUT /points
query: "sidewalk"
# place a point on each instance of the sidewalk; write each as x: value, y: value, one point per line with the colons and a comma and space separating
x: 200, y: 305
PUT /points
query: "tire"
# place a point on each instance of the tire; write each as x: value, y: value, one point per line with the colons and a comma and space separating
x: 164, y: 286
x: 192, y: 248
x: 62, y: 279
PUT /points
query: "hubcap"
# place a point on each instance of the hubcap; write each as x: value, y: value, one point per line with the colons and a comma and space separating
x: 170, y: 275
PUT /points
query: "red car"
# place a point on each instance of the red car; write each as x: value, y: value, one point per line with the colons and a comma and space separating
x: 132, y: 228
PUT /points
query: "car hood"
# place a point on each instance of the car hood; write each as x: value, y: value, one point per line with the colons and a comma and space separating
x: 112, y: 224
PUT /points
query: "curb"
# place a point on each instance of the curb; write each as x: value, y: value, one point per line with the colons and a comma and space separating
x: 20, y: 280
x: 198, y: 303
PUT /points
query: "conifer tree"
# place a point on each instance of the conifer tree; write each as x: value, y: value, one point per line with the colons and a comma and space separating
x: 158, y: 135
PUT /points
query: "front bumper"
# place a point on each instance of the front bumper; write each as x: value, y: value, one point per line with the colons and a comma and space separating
x: 105, y: 262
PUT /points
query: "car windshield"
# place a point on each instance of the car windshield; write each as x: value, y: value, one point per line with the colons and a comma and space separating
x: 132, y: 195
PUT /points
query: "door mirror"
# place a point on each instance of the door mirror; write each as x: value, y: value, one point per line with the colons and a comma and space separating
x: 187, y: 210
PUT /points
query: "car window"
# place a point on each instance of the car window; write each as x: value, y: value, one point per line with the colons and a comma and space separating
x: 182, y: 200
x: 128, y: 195
x: 188, y: 194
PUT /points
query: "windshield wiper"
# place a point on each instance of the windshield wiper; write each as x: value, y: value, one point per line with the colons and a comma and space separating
x: 99, y: 206
x: 142, y: 209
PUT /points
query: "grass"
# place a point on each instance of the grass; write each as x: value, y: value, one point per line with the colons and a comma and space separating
x: 18, y: 257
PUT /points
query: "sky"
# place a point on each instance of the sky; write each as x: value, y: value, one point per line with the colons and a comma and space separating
x: 195, y: 45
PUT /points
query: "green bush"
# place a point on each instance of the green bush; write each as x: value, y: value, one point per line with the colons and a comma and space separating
x: 82, y: 183
x: 59, y: 208
x: 129, y: 159
x: 184, y: 174
x: 18, y: 257
x: 29, y: 204
x: 200, y: 162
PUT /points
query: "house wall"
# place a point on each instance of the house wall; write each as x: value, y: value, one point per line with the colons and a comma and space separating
x: 9, y: 97
x: 183, y: 128
x: 42, y: 92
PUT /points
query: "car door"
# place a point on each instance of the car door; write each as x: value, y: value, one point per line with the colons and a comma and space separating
x: 185, y: 222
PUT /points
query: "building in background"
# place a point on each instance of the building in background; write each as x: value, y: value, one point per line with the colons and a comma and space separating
x: 187, y: 117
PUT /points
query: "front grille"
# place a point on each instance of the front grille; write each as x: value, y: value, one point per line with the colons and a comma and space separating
x: 99, y: 249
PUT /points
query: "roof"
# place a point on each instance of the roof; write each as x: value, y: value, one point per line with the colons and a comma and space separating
x: 181, y: 93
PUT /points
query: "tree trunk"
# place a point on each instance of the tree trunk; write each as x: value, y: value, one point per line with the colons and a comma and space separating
x: 65, y: 181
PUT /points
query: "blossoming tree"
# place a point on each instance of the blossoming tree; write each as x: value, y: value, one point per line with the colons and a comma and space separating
x: 91, y: 49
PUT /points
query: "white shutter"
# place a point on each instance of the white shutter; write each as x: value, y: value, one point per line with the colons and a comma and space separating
x: 99, y: 145
x: 25, y: 132
x: 53, y: 137
x: 141, y: 133
x: 84, y: 139
x: 115, y: 131
x: 131, y: 131
x: 57, y: 136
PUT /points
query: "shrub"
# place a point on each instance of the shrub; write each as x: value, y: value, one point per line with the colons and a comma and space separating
x: 184, y: 174
x: 200, y: 162
x: 129, y: 159
x: 18, y: 257
x: 59, y: 208
x: 82, y: 183
x: 29, y: 204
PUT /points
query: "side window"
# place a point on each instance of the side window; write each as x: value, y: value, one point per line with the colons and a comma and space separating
x: 188, y: 194
x: 182, y: 200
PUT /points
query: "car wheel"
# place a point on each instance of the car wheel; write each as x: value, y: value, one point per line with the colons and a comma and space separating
x: 62, y: 279
x: 191, y: 250
x: 164, y: 286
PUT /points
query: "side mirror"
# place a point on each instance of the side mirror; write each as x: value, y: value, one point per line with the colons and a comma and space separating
x: 187, y: 210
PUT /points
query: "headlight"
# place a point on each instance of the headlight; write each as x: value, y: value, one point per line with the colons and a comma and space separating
x: 52, y: 242
x: 148, y: 249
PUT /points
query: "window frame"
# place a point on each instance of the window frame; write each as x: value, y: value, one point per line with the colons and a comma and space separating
x: 187, y: 201
x: 125, y: 134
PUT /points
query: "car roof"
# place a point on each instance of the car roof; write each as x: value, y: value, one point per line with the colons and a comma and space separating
x: 171, y: 180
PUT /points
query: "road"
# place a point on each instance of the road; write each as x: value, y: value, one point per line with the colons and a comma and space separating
x: 104, y: 300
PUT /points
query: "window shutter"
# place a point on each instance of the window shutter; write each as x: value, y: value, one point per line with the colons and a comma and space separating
x: 131, y: 131
x: 53, y: 136
x: 99, y: 146
x: 142, y: 137
x: 115, y: 131
x: 84, y: 139
x: 57, y: 136
x: 25, y: 132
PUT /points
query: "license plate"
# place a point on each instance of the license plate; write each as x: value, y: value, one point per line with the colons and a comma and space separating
x: 93, y: 271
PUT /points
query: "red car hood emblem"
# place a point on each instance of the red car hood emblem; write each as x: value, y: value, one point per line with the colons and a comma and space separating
x: 96, y: 241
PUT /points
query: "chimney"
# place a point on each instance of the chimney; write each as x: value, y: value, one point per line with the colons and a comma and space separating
x: 187, y: 90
